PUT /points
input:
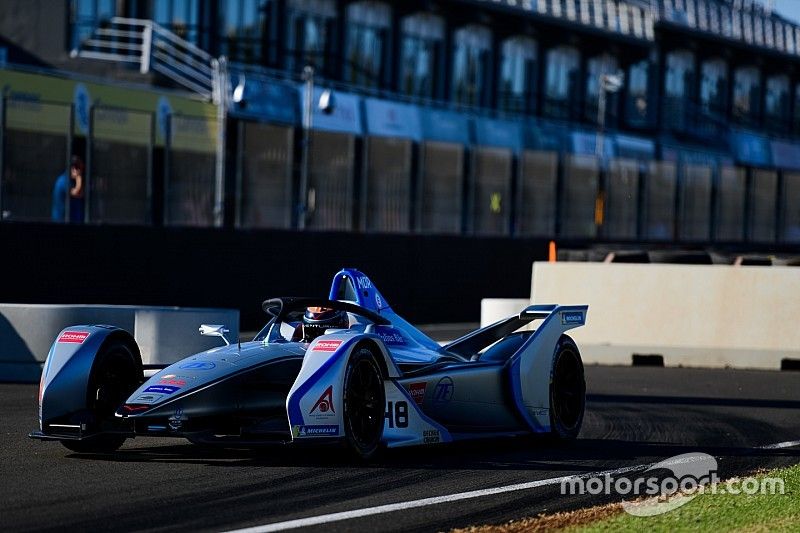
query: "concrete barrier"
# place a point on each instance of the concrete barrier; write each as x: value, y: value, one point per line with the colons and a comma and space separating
x: 692, y: 315
x: 494, y: 309
x: 164, y: 334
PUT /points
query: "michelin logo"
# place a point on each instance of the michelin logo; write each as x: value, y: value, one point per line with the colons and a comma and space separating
x: 574, y: 317
x: 315, y: 431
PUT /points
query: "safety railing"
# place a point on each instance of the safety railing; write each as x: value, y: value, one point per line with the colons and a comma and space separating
x: 742, y: 20
x: 152, y: 47
x: 629, y: 18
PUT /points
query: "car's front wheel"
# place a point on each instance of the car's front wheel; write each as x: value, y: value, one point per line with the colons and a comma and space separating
x: 113, y: 379
x: 364, y: 402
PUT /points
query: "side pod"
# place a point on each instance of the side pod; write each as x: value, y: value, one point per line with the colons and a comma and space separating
x: 532, y: 365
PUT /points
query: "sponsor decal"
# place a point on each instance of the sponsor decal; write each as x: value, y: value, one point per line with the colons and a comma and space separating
x: 392, y: 338
x: 172, y: 380
x: 315, y: 431
x: 417, y: 392
x: 73, y: 337
x: 198, y: 365
x: 176, y: 420
x: 574, y: 317
x: 148, y: 398
x: 431, y: 436
x: 363, y: 283
x: 327, y: 346
x: 162, y: 389
x: 324, y: 403
x: 443, y: 392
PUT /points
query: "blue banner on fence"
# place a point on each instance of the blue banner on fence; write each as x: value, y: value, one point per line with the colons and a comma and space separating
x: 269, y: 100
x: 392, y: 119
x: 444, y: 126
x: 786, y: 155
x: 503, y: 133
x: 751, y: 149
x: 343, y: 115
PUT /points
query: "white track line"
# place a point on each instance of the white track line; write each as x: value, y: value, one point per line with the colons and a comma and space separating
x: 779, y: 445
x: 424, y: 502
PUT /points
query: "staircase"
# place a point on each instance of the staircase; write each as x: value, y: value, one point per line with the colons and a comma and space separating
x: 155, y: 49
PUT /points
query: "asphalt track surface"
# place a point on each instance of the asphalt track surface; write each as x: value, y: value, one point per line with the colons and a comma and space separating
x: 635, y: 416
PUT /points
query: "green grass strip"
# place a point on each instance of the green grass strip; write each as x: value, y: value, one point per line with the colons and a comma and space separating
x: 719, y: 512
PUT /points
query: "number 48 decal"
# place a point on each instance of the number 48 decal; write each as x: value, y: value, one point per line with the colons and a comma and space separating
x: 397, y: 414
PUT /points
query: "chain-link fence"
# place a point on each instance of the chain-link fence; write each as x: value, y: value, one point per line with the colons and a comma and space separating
x: 387, y: 190
x: 555, y: 194
x: 694, y: 205
x: 731, y: 191
x: 440, y: 188
x: 536, y: 194
x: 37, y: 138
x: 621, y: 205
x: 491, y: 190
x: 579, y: 199
x: 659, y: 201
x: 791, y: 207
x: 190, y: 173
x: 264, y: 175
x: 330, y: 187
x: 120, y: 166
x: 763, y: 202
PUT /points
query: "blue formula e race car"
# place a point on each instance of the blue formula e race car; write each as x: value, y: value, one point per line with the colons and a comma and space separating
x: 343, y: 369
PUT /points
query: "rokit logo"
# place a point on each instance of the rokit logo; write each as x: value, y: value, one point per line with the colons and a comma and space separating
x: 324, y: 405
x: 327, y: 346
x: 73, y: 337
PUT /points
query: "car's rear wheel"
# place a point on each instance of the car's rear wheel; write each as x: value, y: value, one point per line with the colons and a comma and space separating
x: 113, y: 380
x: 567, y: 390
x: 364, y: 403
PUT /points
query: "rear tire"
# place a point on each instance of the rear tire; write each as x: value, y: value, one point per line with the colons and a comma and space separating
x: 567, y: 391
x: 114, y: 378
x: 364, y: 404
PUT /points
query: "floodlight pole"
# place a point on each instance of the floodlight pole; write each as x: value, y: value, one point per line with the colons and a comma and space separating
x: 221, y: 98
x: 601, y: 119
x: 606, y: 83
x: 308, y: 78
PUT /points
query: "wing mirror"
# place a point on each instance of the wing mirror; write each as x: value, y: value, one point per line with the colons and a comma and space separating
x: 215, y: 330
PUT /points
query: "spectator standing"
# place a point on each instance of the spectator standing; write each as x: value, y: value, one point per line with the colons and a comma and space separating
x: 69, y: 186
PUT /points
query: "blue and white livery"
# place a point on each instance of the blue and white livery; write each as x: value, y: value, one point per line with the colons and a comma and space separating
x: 373, y: 382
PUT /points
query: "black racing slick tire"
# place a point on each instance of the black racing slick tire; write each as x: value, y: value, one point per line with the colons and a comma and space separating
x: 567, y: 391
x: 364, y: 404
x: 115, y: 376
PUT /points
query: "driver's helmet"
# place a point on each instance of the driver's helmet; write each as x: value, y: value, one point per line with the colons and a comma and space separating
x: 317, y: 319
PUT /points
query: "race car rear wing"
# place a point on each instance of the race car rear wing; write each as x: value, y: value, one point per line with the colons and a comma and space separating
x: 475, y: 341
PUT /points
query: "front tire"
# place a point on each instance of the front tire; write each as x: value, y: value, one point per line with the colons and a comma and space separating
x: 364, y: 404
x: 113, y: 380
x: 567, y: 391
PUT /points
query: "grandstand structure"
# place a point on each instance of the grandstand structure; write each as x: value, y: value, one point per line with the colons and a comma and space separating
x: 673, y: 121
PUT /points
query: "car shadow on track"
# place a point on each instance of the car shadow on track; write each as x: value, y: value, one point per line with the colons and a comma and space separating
x: 521, y: 453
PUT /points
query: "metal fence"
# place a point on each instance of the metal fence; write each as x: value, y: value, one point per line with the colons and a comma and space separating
x: 440, y: 188
x: 120, y: 162
x: 189, y: 176
x: 371, y: 184
x: 387, y: 191
x: 265, y: 169
x: 37, y: 139
x: 331, y: 189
